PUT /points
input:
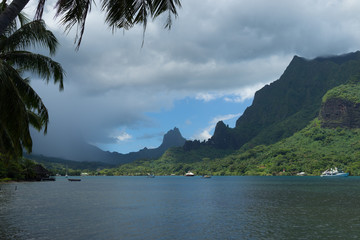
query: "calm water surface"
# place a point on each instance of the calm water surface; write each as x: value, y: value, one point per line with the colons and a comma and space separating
x: 182, y: 208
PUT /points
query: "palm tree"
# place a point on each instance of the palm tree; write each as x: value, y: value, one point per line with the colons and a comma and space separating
x: 20, y: 105
x: 119, y: 13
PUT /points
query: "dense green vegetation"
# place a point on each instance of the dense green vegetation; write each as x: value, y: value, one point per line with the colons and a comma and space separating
x: 174, y: 161
x: 349, y: 92
x: 73, y: 168
x: 311, y: 150
x: 21, y: 169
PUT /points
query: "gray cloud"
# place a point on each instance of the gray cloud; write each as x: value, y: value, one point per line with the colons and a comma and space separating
x: 221, y: 48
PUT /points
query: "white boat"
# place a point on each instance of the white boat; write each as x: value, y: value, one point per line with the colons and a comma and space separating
x: 334, y: 173
x: 150, y: 175
x: 189, y: 174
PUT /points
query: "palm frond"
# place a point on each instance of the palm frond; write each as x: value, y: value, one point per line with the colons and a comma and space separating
x: 36, y: 121
x: 14, y: 121
x: 31, y: 34
x: 142, y: 9
x: 161, y: 6
x: 119, y: 13
x: 41, y: 65
x: 74, y: 12
x: 20, y: 105
x: 34, y: 104
x: 39, y: 10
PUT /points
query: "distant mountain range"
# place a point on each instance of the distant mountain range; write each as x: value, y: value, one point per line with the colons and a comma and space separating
x: 89, y: 153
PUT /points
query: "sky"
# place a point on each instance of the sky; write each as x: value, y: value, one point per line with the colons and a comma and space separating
x: 122, y: 96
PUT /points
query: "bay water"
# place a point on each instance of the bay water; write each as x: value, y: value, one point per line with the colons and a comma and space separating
x: 180, y: 207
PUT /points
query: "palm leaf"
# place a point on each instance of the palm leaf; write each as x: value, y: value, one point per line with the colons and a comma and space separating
x: 20, y: 105
x: 34, y: 105
x: 31, y: 34
x: 74, y: 12
x: 119, y: 13
x: 41, y: 65
x: 14, y: 122
x: 161, y: 6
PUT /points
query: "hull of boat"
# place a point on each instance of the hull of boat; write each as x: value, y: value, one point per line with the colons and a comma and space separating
x: 335, y: 175
x: 74, y: 180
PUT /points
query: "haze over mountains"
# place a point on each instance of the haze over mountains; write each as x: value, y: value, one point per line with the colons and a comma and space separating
x: 84, y: 152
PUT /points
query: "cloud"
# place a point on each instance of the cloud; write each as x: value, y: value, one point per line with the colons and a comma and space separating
x: 123, y: 137
x: 205, y: 134
x: 215, y: 50
x: 243, y: 94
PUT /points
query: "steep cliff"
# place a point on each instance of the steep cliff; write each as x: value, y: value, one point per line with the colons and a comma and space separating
x: 341, y: 107
x: 288, y: 104
x: 338, y: 112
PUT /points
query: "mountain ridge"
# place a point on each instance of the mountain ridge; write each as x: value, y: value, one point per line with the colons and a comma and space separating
x: 286, y: 105
x: 91, y: 153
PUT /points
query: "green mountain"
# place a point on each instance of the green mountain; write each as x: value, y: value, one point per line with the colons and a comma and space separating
x: 308, y: 120
x: 286, y: 105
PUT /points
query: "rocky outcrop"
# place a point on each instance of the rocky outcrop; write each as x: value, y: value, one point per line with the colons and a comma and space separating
x: 336, y: 112
x: 223, y: 137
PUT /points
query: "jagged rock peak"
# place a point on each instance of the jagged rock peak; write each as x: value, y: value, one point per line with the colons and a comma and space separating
x: 172, y: 132
x: 173, y: 138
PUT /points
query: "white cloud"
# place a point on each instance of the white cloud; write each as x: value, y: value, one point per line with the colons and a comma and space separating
x: 207, y: 97
x: 243, y: 94
x: 123, y: 137
x: 205, y: 133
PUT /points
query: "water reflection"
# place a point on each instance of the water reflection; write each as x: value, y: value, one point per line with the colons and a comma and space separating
x: 179, y: 207
x: 8, y: 229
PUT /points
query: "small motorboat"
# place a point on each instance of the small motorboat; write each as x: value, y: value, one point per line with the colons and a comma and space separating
x: 189, y: 174
x: 48, y: 179
x: 334, y: 173
x: 74, y: 179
